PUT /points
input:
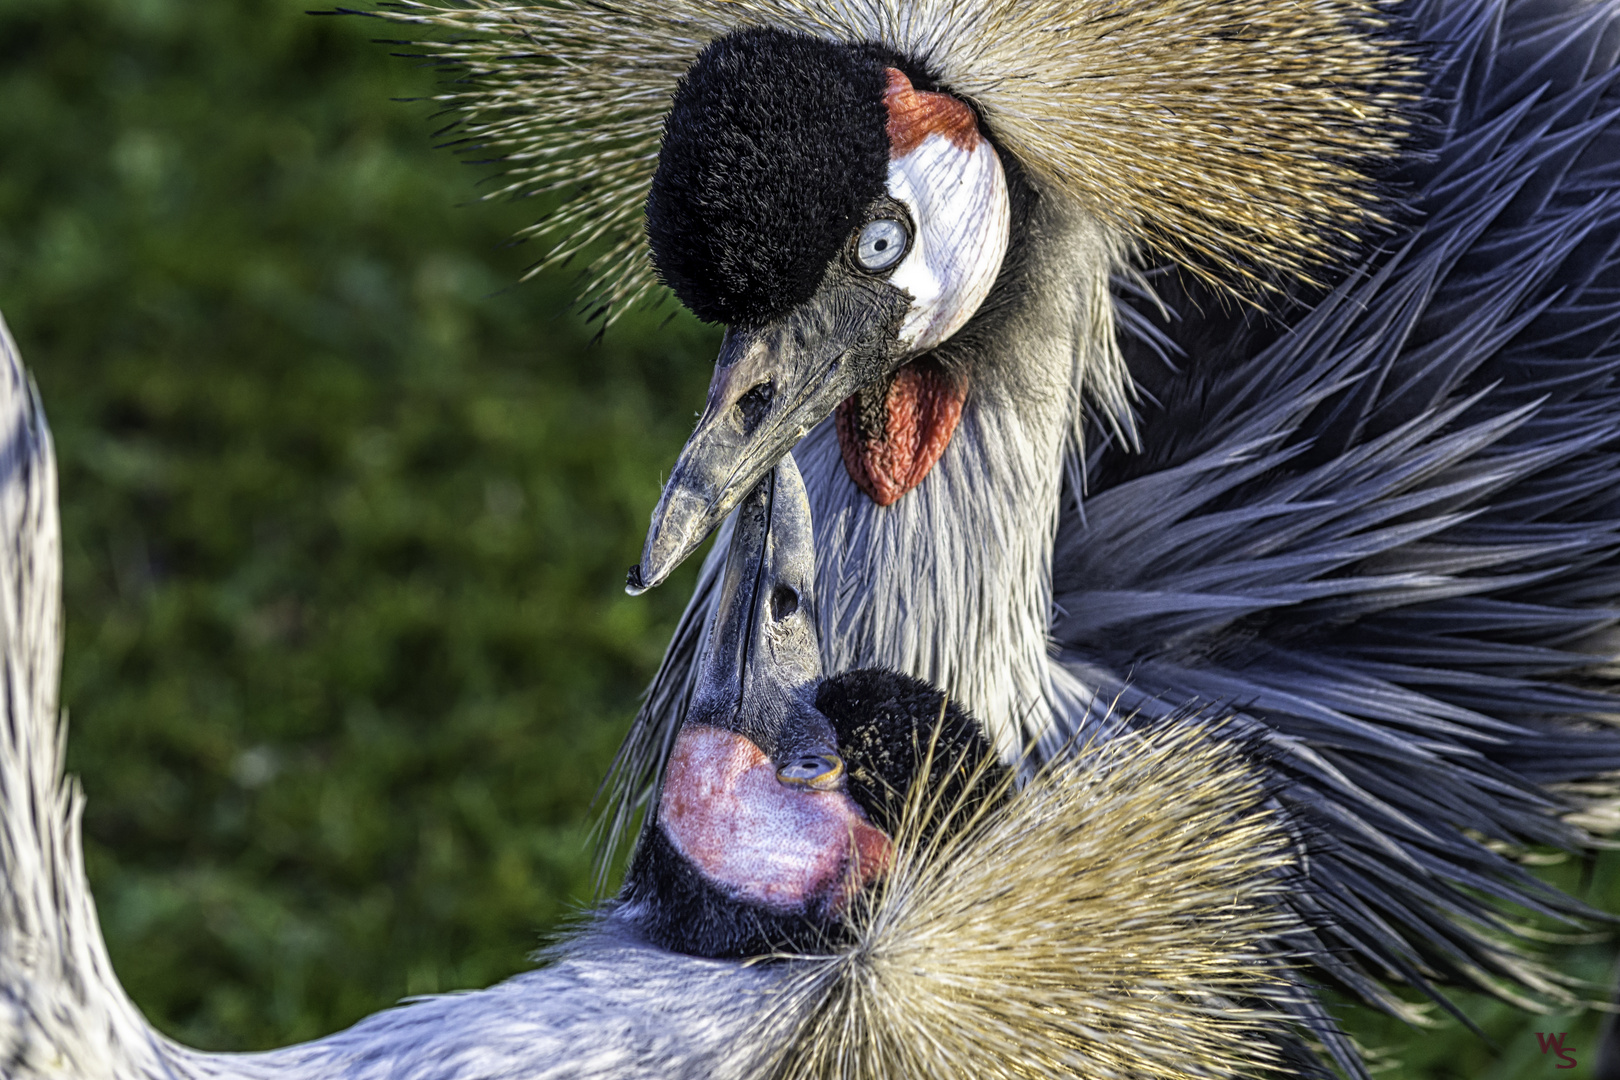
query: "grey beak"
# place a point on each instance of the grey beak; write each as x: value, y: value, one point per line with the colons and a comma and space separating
x: 755, y: 800
x: 771, y: 385
x: 760, y: 663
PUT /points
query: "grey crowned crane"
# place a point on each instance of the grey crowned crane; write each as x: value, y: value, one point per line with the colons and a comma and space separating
x: 854, y: 830
x: 1149, y: 358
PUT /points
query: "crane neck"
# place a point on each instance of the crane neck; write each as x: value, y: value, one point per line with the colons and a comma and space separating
x: 952, y: 583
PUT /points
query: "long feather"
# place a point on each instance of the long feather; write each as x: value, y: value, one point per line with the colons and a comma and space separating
x: 1390, y: 534
x: 1240, y: 137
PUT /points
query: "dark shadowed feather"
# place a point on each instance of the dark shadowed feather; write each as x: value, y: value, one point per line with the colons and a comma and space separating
x: 1386, y: 529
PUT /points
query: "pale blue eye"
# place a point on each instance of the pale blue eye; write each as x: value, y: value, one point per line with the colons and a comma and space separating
x: 882, y: 243
x: 819, y: 769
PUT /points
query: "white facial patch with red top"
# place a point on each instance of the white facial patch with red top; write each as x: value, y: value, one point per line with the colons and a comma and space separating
x: 948, y: 175
x: 786, y: 846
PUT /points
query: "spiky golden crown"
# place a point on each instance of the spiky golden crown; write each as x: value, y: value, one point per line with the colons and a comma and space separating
x: 1120, y: 915
x: 1234, y: 136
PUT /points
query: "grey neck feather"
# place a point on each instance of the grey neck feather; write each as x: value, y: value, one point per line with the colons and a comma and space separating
x: 952, y: 583
x: 608, y: 1007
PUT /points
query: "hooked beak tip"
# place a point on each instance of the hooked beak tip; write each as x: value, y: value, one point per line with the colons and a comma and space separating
x: 649, y: 573
x: 681, y: 522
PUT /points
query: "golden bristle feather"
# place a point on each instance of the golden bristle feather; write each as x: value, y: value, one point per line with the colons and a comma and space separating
x: 1117, y: 916
x: 1238, y: 137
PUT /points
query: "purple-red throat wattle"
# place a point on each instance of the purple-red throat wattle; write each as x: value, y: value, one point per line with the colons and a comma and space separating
x: 786, y: 847
x: 892, y: 434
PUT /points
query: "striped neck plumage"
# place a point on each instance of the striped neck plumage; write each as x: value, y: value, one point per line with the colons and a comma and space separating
x: 951, y: 582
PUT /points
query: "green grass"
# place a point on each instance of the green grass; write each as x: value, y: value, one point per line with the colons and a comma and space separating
x: 347, y: 512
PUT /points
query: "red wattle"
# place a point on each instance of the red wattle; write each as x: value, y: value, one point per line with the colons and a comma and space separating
x: 892, y: 435
x: 789, y: 847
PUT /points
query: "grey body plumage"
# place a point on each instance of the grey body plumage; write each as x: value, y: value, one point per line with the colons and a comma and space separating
x: 608, y: 1006
x: 1391, y: 535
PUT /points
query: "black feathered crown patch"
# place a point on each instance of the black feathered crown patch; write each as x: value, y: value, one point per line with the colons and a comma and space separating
x: 774, y: 145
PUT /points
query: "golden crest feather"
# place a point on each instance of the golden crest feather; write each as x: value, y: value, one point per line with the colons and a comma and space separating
x: 1237, y: 137
x: 1125, y: 893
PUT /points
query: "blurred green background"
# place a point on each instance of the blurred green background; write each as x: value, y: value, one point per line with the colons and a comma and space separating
x: 347, y: 511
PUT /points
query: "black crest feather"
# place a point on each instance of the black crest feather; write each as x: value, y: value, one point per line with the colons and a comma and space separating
x: 775, y: 143
x: 886, y: 724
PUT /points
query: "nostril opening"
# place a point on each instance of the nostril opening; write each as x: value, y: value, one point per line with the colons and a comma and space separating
x: 754, y: 404
x: 784, y: 602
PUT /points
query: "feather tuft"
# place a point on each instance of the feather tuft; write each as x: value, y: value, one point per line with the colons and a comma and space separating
x: 1240, y: 138
x: 1070, y: 928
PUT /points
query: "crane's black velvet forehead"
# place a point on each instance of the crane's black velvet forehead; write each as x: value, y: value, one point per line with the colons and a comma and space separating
x: 775, y: 144
x: 889, y: 726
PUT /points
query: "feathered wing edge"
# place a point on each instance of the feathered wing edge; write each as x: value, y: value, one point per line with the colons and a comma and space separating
x: 1391, y: 538
x: 62, y: 1011
x: 1236, y: 136
x: 1119, y: 915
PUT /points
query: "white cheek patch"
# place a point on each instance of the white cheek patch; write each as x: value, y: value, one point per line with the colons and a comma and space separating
x: 958, y: 199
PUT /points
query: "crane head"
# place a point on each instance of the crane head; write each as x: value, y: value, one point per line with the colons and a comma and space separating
x: 841, y: 222
x: 784, y: 789
x: 831, y: 182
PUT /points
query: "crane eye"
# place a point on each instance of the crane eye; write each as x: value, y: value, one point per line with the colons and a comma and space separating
x: 881, y: 244
x: 819, y: 769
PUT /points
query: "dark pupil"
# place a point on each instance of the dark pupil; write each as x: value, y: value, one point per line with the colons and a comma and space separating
x: 808, y: 767
x: 881, y: 244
